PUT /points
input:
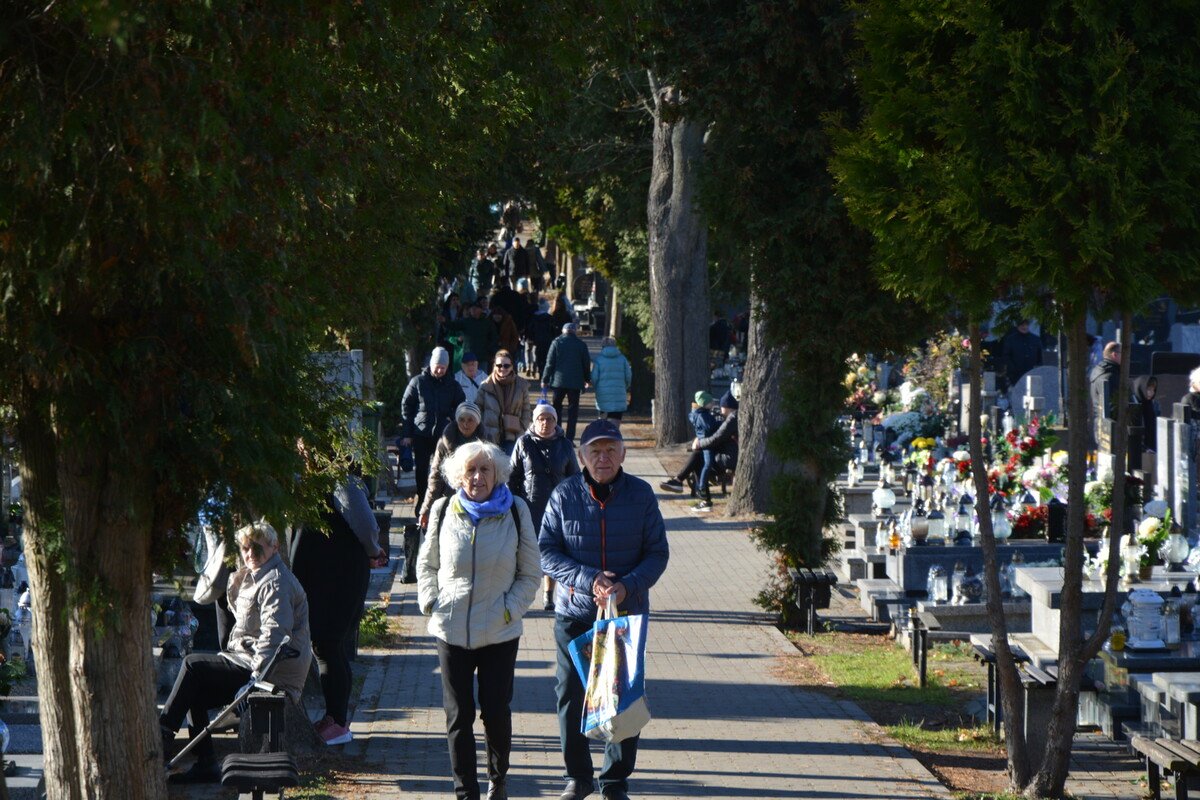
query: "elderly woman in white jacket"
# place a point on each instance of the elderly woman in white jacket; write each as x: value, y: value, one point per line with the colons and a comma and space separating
x: 477, y: 573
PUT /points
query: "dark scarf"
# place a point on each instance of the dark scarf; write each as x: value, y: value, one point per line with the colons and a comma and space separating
x: 602, y: 491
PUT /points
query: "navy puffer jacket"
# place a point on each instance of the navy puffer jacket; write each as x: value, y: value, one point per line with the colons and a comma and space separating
x: 580, y: 538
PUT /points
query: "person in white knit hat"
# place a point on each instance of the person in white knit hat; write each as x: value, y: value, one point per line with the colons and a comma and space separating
x: 428, y: 405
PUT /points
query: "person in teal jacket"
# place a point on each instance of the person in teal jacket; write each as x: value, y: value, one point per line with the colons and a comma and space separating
x: 611, y: 378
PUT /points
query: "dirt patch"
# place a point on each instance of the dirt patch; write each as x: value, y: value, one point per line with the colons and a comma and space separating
x: 947, y: 742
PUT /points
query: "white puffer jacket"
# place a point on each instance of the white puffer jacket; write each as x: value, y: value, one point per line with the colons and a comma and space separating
x: 476, y: 583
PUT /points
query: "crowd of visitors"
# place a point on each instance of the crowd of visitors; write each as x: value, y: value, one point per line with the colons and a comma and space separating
x: 505, y: 505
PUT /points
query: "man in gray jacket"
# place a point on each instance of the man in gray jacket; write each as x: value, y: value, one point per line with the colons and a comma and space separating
x: 568, y: 367
x: 602, y: 536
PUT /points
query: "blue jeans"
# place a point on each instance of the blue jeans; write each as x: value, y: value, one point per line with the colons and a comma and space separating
x: 702, y: 480
x: 619, y: 757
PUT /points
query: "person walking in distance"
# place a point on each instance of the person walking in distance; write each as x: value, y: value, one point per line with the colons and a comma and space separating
x: 568, y: 367
x: 602, y: 536
x: 611, y: 378
x: 427, y: 407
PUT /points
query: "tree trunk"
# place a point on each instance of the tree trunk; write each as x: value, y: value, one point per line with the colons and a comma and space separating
x: 89, y: 564
x: 678, y: 241
x: 1074, y: 653
x: 1055, y: 762
x: 1006, y: 665
x: 759, y: 413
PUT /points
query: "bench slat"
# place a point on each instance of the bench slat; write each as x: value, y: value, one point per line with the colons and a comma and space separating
x: 1159, y: 755
x: 1184, y: 753
x: 1192, y: 746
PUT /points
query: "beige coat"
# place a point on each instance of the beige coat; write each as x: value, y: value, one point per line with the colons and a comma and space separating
x: 476, y: 582
x: 268, y: 604
x: 488, y: 400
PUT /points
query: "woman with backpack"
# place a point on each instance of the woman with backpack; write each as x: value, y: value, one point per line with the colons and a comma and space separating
x: 477, y: 574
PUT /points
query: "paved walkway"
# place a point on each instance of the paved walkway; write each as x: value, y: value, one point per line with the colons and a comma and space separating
x: 724, y: 725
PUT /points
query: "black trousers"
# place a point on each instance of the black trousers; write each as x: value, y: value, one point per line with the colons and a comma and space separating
x: 495, y: 665
x: 206, y: 681
x: 572, y: 398
x: 423, y: 449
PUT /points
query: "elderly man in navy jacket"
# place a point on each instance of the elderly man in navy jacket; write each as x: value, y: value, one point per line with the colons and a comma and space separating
x: 602, y: 535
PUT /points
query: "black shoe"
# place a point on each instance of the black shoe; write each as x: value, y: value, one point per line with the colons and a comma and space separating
x: 200, y: 772
x: 498, y: 790
x: 672, y: 485
x: 547, y: 601
x: 614, y: 793
x: 577, y: 790
x: 168, y: 744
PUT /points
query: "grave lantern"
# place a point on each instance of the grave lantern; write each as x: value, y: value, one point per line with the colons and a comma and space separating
x: 1176, y: 551
x: 919, y: 522
x: 1001, y: 527
x: 937, y: 524
x: 883, y: 497
x: 962, y: 520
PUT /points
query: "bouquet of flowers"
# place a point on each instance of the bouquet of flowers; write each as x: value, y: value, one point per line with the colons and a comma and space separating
x: 1027, y: 443
x: 1152, y: 534
x: 1029, y: 523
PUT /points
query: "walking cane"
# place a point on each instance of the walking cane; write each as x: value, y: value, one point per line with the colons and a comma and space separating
x: 257, y: 681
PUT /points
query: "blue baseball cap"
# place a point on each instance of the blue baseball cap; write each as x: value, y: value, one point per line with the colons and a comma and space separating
x: 600, y: 429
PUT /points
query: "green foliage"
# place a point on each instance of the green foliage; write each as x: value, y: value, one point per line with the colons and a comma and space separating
x: 195, y: 195
x: 913, y: 733
x: 373, y: 628
x: 11, y: 671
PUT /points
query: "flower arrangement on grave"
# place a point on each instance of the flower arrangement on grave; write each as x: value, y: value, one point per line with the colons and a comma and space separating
x: 1029, y: 523
x: 1027, y: 443
x: 921, y: 456
x: 862, y: 393
x: 1098, y: 495
x: 932, y: 366
x: 1152, y: 534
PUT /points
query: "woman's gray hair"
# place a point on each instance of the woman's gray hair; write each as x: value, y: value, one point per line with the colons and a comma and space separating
x: 455, y: 466
x: 260, y: 532
x: 1194, y: 380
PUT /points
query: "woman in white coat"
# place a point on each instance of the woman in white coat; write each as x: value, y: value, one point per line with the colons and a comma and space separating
x: 477, y: 573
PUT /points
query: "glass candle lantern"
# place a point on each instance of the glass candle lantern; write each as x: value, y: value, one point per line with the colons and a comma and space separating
x: 937, y: 523
x: 938, y: 584
x: 1176, y: 551
x: 883, y: 498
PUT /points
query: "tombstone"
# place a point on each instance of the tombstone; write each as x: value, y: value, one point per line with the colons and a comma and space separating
x: 1184, y: 434
x: 1185, y: 338
x: 987, y: 398
x: 1036, y: 392
x: 1164, y: 486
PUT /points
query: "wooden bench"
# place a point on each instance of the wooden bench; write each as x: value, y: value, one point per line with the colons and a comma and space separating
x: 1181, y: 759
x: 814, y: 590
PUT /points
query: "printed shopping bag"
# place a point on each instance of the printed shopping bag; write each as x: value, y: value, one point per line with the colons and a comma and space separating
x: 611, y: 661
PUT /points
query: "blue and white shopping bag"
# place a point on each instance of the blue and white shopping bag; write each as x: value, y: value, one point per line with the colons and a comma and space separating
x: 611, y: 661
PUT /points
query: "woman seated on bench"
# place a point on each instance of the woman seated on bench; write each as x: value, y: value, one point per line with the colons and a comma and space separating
x: 267, y: 604
x: 717, y: 451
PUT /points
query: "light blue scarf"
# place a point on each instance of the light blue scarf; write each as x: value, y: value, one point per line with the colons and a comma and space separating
x: 500, y: 502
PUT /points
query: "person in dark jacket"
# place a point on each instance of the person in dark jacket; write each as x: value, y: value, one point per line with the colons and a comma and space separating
x: 602, y: 536
x: 516, y: 262
x: 333, y: 562
x: 1103, y: 380
x: 1145, y: 387
x: 478, y: 332
x: 717, y: 449
x: 539, y: 332
x: 542, y: 459
x: 465, y: 428
x: 1020, y: 351
x: 509, y: 299
x: 428, y: 404
x: 568, y: 367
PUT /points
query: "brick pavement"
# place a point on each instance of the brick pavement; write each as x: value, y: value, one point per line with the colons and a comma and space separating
x: 724, y: 724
